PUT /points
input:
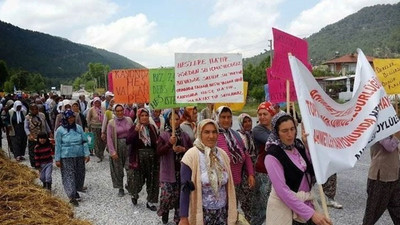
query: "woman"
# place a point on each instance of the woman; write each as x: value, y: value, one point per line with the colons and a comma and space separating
x: 383, y: 185
x: 188, y: 121
x: 66, y: 105
x: 15, y: 125
x: 231, y: 142
x: 261, y: 132
x: 170, y: 149
x: 71, y: 154
x: 158, y: 119
x: 117, y: 132
x: 246, y: 125
x: 143, y: 161
x: 95, y: 117
x: 208, y: 192
x: 78, y: 112
x: 289, y: 167
x: 108, y: 115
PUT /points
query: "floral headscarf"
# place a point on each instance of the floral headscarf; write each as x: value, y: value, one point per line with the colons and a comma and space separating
x: 98, y: 110
x: 144, y: 132
x: 231, y: 141
x: 214, y: 166
x: 168, y: 127
x: 274, y: 139
x: 66, y: 115
x: 250, y: 141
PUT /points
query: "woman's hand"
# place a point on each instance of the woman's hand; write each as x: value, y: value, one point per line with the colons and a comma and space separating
x: 58, y: 164
x: 137, y: 128
x: 320, y: 219
x: 87, y: 159
x: 172, y: 140
x: 251, y: 181
x: 178, y: 149
x: 304, y: 135
x: 115, y: 156
x: 184, y: 221
x: 103, y: 136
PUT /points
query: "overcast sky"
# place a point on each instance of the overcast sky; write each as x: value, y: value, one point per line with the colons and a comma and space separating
x: 150, y: 32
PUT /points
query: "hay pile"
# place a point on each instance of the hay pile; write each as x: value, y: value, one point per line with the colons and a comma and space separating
x: 23, y: 202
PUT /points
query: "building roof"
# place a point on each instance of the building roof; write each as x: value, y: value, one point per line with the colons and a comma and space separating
x: 350, y: 58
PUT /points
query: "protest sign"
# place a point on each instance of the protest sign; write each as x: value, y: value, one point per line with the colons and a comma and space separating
x: 162, y: 89
x: 339, y: 133
x: 277, y: 88
x: 131, y: 85
x: 388, y: 72
x: 110, y: 82
x: 208, y: 78
x: 236, y: 106
x: 284, y: 44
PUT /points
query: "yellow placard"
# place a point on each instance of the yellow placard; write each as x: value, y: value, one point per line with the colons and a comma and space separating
x: 236, y: 106
x: 388, y: 73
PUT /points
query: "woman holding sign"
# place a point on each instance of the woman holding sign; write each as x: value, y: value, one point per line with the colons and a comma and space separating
x: 292, y: 176
x: 170, y: 148
x: 143, y: 160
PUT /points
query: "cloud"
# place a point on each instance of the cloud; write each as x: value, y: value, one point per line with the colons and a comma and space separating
x: 57, y: 16
x: 326, y: 12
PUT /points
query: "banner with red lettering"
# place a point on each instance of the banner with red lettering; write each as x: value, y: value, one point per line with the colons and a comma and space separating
x: 339, y: 133
x: 208, y: 78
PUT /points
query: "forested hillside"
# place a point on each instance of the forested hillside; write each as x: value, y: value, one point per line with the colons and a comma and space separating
x: 53, y: 57
x: 375, y: 29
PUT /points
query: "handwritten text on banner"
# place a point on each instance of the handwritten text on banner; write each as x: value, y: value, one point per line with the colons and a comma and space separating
x: 208, y: 77
x: 388, y: 72
x: 131, y: 85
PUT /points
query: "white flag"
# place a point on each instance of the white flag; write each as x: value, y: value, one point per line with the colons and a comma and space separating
x: 339, y: 133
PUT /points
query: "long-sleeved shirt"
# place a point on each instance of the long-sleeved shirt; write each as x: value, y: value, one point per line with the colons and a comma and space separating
x: 44, y: 125
x: 277, y: 176
x: 71, y: 143
x: 43, y: 154
x: 260, y: 134
x: 122, y: 127
x: 169, y: 164
x: 236, y: 168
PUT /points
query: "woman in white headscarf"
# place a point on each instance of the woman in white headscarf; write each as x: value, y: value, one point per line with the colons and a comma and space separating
x: 15, y: 120
x: 94, y: 118
x: 208, y: 191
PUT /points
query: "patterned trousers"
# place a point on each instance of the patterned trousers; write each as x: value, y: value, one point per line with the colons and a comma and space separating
x: 147, y: 173
x: 73, y: 175
x: 382, y: 196
x: 117, y: 166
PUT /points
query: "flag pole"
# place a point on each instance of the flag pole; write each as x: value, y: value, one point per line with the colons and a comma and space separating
x: 288, y: 92
x: 323, y: 201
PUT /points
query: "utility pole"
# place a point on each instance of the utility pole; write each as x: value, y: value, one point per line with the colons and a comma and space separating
x: 270, y: 52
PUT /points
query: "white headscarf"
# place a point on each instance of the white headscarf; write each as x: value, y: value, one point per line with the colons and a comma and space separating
x: 18, y: 112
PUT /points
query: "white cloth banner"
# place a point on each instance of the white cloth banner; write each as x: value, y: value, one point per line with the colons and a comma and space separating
x: 208, y: 78
x: 339, y: 133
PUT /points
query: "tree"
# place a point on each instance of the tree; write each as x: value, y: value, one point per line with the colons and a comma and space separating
x: 4, y: 75
x: 36, y: 83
